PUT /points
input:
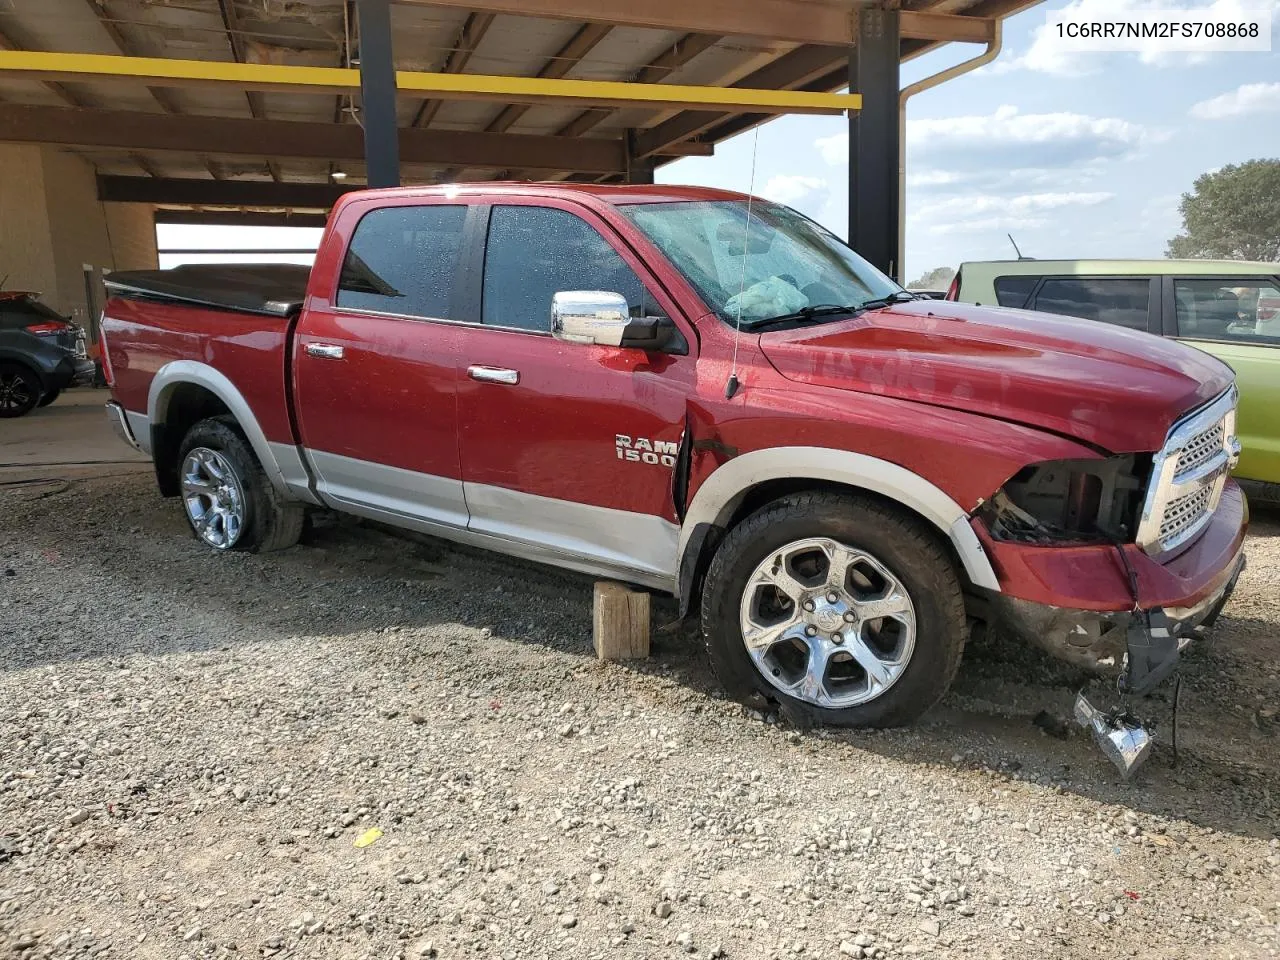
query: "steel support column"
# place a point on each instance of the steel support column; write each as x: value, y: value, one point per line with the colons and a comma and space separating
x: 873, y: 141
x: 378, y: 94
x: 638, y: 170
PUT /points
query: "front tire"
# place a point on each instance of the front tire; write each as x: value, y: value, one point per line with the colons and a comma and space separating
x: 839, y: 608
x: 49, y: 397
x: 226, y: 496
x: 20, y: 390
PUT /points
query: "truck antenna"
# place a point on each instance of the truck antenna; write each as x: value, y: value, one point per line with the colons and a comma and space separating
x: 1015, y: 248
x: 731, y: 385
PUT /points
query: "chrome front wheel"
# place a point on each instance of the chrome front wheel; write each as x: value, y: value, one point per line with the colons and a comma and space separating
x: 827, y: 623
x: 840, y: 608
x: 214, y: 498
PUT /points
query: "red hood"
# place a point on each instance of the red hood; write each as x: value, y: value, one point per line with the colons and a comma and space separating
x: 1114, y: 388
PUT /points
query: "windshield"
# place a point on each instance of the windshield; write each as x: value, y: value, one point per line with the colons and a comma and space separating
x: 782, y: 265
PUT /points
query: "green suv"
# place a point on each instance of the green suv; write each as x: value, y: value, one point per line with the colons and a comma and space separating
x: 1228, y: 308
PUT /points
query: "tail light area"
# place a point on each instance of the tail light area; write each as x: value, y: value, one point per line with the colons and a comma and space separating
x: 50, y: 328
x: 953, y: 291
x: 104, y: 355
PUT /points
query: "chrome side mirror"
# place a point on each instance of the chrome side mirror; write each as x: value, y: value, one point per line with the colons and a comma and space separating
x: 590, y: 317
x: 600, y: 317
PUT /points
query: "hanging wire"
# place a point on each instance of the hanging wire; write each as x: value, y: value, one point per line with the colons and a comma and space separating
x: 731, y: 386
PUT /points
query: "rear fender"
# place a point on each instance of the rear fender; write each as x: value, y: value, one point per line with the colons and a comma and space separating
x: 280, y: 461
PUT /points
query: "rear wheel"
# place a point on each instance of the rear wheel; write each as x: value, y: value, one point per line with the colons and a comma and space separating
x: 839, y: 608
x: 49, y: 397
x: 20, y: 390
x: 228, y: 500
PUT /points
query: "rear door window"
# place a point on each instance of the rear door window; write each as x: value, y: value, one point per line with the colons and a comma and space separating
x: 1244, y: 309
x: 1014, y: 291
x: 533, y: 253
x: 404, y: 260
x: 1121, y: 301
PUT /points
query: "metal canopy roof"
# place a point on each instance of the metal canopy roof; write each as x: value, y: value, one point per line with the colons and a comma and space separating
x: 225, y: 133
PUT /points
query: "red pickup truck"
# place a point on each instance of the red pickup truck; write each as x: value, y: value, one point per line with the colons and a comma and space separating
x: 710, y: 396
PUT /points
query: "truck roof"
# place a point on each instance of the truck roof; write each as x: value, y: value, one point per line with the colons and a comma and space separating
x: 1123, y: 267
x: 608, y: 193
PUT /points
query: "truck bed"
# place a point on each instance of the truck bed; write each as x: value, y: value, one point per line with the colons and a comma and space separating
x: 274, y: 290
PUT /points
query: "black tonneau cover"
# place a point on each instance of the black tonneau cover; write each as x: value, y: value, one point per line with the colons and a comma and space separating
x: 273, y: 289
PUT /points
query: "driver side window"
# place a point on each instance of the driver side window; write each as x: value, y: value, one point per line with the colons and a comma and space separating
x: 535, y: 252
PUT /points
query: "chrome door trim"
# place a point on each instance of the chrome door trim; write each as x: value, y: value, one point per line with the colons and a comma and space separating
x: 345, y: 483
x: 598, y: 541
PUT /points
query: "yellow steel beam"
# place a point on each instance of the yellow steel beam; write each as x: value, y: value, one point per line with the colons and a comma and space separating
x: 444, y: 86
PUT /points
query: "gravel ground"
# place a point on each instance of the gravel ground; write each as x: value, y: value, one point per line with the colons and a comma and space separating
x: 193, y: 746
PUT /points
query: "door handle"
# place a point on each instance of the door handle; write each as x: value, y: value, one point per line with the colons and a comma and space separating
x: 494, y: 375
x: 326, y: 351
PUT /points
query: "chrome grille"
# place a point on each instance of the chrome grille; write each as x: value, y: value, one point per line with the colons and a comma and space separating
x: 1184, y: 512
x: 1188, y: 475
x: 1201, y: 449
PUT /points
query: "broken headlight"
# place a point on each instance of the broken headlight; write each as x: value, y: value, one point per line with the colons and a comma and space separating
x: 1085, y: 501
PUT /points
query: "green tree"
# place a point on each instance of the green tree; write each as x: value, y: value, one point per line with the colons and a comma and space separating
x: 1233, y: 214
x: 939, y: 278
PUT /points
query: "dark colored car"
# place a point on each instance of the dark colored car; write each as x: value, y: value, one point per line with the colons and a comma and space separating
x: 41, y: 353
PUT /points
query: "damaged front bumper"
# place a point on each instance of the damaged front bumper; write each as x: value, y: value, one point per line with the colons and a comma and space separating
x: 1077, y: 601
x: 1140, y: 647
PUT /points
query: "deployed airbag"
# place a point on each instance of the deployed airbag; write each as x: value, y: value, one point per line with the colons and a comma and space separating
x: 768, y: 298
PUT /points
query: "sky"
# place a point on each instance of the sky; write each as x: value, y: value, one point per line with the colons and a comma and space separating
x: 1077, y: 155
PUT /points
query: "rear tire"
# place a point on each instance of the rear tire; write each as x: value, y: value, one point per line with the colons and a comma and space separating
x: 49, y: 397
x: 227, y: 498
x: 800, y: 577
x: 20, y: 390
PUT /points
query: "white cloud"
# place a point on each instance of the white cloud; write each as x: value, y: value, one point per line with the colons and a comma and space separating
x: 934, y: 178
x: 1050, y: 53
x: 1010, y: 139
x: 792, y: 188
x: 1250, y: 98
x: 979, y: 212
x: 834, y: 149
x: 1007, y: 125
x: 987, y: 224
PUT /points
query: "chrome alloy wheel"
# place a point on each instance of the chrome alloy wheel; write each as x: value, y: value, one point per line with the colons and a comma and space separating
x: 827, y: 623
x: 214, y: 498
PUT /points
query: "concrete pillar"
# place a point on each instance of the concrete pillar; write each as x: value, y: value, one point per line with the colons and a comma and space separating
x: 54, y: 230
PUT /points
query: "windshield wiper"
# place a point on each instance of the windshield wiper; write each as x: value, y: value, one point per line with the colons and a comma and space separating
x: 808, y: 314
x: 803, y: 315
x: 902, y: 296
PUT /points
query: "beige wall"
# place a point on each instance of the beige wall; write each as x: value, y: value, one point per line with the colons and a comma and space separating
x: 26, y: 242
x: 133, y: 236
x: 52, y: 225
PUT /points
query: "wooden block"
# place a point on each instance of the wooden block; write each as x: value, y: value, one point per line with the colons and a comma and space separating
x: 621, y: 622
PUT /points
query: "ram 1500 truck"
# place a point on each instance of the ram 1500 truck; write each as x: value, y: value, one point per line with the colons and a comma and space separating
x: 711, y: 396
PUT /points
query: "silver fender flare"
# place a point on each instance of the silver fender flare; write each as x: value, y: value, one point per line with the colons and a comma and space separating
x: 180, y: 372
x: 722, y: 492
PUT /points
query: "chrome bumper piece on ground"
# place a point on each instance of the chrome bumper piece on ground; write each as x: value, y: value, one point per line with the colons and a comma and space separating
x: 1154, y: 643
x: 120, y: 423
x: 1142, y: 647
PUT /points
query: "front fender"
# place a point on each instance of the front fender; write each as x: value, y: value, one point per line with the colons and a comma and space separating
x: 724, y: 490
